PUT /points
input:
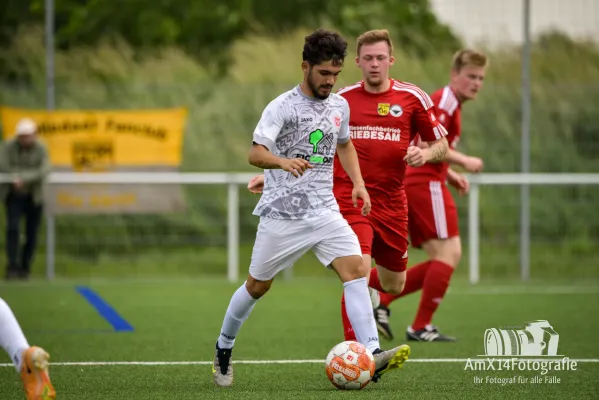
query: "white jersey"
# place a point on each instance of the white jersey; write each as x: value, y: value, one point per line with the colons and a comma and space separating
x: 297, y: 126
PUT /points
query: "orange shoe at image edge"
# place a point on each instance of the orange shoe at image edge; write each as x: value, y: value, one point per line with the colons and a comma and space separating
x: 34, y: 374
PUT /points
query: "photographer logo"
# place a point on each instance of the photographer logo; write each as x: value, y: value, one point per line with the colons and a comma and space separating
x: 529, y: 348
x: 535, y: 338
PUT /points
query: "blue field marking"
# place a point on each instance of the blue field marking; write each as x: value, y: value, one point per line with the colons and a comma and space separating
x: 118, y: 323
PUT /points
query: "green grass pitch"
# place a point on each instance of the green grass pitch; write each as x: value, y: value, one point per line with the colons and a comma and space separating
x: 176, y: 323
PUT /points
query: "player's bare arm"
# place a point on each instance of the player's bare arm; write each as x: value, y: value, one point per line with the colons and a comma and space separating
x: 348, y: 157
x: 469, y: 163
x: 435, y: 151
x: 259, y: 156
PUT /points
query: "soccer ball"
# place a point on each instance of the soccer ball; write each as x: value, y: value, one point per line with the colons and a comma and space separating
x: 350, y: 366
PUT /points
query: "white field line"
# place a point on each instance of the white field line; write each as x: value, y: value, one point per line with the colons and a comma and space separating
x: 313, y: 361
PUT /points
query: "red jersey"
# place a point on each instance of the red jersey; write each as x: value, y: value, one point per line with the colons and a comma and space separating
x: 382, y: 125
x: 449, y: 113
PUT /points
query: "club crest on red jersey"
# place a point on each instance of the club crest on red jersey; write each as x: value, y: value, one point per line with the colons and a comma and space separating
x: 383, y: 108
x: 396, y: 110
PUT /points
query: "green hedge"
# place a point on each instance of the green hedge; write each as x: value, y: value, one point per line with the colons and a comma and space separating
x: 223, y: 113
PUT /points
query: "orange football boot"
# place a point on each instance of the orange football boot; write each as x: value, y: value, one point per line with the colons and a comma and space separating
x: 34, y: 374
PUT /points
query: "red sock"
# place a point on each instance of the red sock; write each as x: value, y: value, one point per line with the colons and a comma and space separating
x: 414, y: 281
x: 435, y: 285
x: 348, y: 330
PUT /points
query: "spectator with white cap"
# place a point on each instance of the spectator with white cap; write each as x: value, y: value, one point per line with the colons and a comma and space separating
x: 26, y: 159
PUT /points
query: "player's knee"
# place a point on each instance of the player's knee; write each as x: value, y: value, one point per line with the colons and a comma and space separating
x: 451, y: 252
x: 357, y: 271
x: 395, y: 286
x: 392, y: 282
x: 257, y: 288
x: 448, y: 251
x: 350, y: 268
x: 456, y: 256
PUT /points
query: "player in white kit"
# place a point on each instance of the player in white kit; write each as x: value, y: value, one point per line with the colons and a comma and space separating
x: 295, y: 143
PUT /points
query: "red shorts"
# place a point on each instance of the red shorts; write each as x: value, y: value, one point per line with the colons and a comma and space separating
x: 384, y: 238
x: 432, y: 212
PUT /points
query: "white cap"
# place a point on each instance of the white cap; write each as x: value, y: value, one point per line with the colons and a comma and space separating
x: 25, y: 126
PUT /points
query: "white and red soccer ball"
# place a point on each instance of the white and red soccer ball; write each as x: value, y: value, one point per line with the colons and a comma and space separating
x: 350, y: 366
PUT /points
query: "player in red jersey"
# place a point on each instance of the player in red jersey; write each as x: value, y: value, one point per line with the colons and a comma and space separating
x: 433, y: 217
x: 385, y: 116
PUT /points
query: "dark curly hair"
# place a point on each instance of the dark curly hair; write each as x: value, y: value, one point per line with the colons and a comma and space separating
x: 322, y: 45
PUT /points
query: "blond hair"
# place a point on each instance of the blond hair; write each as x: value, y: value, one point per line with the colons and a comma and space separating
x: 374, y: 36
x: 466, y: 57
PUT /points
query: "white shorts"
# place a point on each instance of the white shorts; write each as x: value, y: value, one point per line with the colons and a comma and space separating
x: 281, y: 242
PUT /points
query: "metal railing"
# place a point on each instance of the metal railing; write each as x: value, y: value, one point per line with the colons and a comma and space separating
x: 234, y: 180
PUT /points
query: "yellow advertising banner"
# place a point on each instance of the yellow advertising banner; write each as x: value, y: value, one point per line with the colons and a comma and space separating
x: 109, y: 141
x: 97, y: 139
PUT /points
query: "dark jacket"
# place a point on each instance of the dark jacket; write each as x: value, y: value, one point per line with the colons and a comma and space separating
x: 31, y: 165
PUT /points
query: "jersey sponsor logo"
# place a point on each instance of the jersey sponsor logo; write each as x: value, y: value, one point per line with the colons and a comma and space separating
x: 315, y: 159
x: 396, y: 110
x: 375, y: 133
x: 383, y: 108
x: 321, y: 143
x: 306, y: 119
x: 322, y: 148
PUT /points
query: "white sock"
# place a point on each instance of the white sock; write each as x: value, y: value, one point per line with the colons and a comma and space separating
x: 240, y: 307
x: 360, y: 314
x: 12, y: 338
